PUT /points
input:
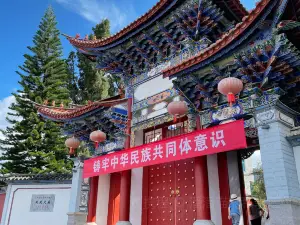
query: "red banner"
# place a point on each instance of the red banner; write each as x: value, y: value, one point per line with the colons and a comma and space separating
x: 226, y: 137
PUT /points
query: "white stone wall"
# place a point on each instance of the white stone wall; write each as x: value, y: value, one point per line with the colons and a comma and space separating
x: 17, y: 205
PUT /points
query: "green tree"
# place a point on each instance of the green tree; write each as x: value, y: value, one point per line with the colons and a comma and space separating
x: 72, y: 78
x: 258, y: 186
x: 30, y: 144
x: 96, y: 84
x: 102, y: 29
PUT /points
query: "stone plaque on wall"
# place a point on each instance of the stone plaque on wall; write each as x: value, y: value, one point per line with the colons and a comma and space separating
x: 42, y: 203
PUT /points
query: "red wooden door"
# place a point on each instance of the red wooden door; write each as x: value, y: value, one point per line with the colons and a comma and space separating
x: 169, y: 189
x: 171, y: 194
x: 114, y: 199
x: 185, y: 199
x: 161, y: 202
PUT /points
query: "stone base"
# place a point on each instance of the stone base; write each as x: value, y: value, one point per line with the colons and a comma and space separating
x: 284, y: 211
x: 77, y: 218
x: 203, y: 222
x: 123, y: 223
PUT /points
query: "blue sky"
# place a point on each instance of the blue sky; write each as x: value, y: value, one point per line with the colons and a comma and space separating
x: 19, y: 20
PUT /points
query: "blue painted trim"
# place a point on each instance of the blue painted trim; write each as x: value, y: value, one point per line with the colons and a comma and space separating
x: 120, y: 111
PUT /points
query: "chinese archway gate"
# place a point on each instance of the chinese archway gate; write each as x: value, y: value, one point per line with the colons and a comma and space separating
x: 169, y: 182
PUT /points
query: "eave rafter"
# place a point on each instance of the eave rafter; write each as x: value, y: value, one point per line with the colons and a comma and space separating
x: 152, y: 42
x: 177, y: 26
x: 228, y: 38
x: 272, y: 65
x: 170, y: 35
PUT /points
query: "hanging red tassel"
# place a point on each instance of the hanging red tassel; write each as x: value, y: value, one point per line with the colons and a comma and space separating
x: 175, y: 119
x: 71, y: 152
x: 230, y: 98
x: 96, y: 144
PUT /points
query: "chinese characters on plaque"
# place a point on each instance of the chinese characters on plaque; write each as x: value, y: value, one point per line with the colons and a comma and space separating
x: 203, y: 142
x: 42, y: 203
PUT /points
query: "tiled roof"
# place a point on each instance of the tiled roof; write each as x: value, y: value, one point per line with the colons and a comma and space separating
x: 37, y: 177
x: 234, y: 5
x: 67, y: 113
x: 220, y: 44
x: 142, y: 19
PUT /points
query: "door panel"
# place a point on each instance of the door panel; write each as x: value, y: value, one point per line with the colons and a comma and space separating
x: 185, y: 200
x: 171, y: 194
x: 161, y: 202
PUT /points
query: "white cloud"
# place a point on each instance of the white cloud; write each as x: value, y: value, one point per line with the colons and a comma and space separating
x: 96, y: 10
x: 4, y: 104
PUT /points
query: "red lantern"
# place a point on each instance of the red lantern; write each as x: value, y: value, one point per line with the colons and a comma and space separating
x: 72, y: 143
x: 97, y: 136
x: 230, y: 86
x: 176, y: 109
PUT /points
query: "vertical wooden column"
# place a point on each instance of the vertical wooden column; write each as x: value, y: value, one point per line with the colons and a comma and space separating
x: 201, y: 184
x: 126, y: 175
x: 224, y: 187
x: 202, y: 188
x: 125, y: 195
x: 92, y: 206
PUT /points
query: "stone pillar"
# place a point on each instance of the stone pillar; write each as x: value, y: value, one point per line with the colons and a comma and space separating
x: 280, y: 174
x: 78, y: 199
x: 294, y: 139
x: 297, y: 159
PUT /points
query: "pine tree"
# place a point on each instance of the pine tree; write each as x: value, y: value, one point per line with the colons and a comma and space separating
x: 96, y: 84
x: 102, y: 29
x: 73, y: 79
x: 32, y: 145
